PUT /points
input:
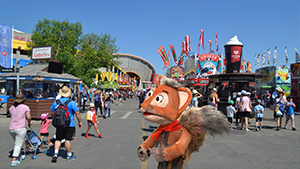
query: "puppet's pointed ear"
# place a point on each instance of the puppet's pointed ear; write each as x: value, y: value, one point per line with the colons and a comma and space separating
x: 159, y: 82
x: 185, y: 97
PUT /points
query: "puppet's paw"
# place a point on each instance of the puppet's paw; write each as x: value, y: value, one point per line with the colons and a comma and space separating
x: 143, y: 154
x: 158, y: 154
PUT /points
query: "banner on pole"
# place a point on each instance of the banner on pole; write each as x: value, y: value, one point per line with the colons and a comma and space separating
x: 6, y: 46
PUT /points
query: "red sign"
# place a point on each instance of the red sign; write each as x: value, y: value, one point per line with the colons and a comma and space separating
x: 236, y: 53
x: 4, y: 53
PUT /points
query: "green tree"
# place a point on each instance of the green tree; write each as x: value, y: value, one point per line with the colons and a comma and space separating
x: 95, y: 51
x: 63, y: 36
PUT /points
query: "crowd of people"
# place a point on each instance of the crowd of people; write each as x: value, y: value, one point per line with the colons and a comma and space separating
x: 240, y: 109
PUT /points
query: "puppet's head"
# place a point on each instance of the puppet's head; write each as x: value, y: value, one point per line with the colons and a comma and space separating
x: 165, y: 103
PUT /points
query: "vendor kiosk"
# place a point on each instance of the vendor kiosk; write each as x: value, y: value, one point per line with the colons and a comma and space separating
x: 36, y: 79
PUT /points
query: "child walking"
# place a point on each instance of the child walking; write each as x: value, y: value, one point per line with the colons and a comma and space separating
x: 259, y: 110
x: 230, y: 112
x: 92, y: 120
x: 290, y: 114
x: 44, y: 128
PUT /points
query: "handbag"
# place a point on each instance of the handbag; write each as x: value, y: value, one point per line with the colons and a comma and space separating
x: 106, y: 105
x: 278, y: 113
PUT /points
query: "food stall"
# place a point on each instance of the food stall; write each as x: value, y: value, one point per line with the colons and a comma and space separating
x: 36, y: 79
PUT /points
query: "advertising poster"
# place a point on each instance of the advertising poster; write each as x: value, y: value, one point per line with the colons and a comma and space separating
x: 5, y: 46
x: 176, y: 72
x: 207, y: 64
x: 266, y: 71
x: 283, y: 74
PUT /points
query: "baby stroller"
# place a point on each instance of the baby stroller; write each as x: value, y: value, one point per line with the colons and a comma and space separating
x: 33, y: 143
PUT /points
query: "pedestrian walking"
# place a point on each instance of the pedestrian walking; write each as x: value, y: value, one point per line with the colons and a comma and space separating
x: 280, y: 103
x: 237, y: 102
x: 290, y: 114
x: 98, y: 101
x: 259, y: 110
x: 92, y: 120
x: 230, y: 113
x: 19, y: 113
x: 245, y: 109
x: 66, y: 132
x: 44, y: 128
x: 108, y: 98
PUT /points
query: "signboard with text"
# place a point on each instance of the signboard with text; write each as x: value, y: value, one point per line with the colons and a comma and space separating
x: 41, y: 53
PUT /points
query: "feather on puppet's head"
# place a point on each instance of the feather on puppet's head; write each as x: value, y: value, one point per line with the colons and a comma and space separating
x: 167, y: 96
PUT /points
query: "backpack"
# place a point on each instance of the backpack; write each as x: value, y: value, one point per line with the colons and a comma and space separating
x: 97, y: 98
x: 61, y: 115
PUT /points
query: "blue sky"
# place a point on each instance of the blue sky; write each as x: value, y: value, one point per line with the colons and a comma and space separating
x: 140, y: 26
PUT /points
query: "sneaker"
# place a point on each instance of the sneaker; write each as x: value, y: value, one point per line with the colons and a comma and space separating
x: 14, y: 163
x: 260, y: 128
x: 231, y: 128
x: 285, y: 127
x: 100, y: 136
x: 70, y: 158
x: 247, y: 129
x: 22, y: 157
x: 87, y: 136
x: 256, y: 129
x: 277, y: 129
x: 54, y: 158
x: 104, y: 117
x: 294, y: 128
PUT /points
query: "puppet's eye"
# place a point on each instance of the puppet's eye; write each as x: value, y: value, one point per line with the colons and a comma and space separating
x: 150, y: 93
x: 159, y: 98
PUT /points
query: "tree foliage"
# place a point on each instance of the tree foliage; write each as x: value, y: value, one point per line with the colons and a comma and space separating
x: 81, y: 55
x: 63, y: 36
x: 95, y: 51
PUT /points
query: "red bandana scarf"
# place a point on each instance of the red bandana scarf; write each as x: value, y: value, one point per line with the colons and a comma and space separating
x: 168, y: 128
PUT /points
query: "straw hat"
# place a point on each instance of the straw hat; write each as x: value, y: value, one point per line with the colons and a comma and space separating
x: 92, y: 105
x: 279, y: 89
x: 43, y: 116
x: 98, y: 92
x: 195, y: 91
x: 20, y: 98
x: 65, y: 92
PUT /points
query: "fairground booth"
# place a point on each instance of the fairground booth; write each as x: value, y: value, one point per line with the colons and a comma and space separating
x: 39, y: 82
x: 295, y: 83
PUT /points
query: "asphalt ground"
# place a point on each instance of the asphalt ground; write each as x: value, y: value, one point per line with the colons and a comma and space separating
x: 126, y: 130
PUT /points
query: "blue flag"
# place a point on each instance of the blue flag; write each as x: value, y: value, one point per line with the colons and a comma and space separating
x: 5, y: 46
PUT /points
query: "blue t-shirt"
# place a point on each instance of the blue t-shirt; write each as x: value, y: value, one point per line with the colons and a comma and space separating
x: 72, y: 107
x: 194, y: 99
x: 290, y: 110
x: 259, y: 108
x: 230, y: 111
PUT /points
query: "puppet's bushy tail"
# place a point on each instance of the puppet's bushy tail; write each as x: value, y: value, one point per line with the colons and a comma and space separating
x: 202, y: 121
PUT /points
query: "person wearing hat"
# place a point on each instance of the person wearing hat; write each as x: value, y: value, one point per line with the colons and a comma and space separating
x: 245, y: 109
x: 92, y: 120
x: 44, y: 128
x: 280, y: 102
x: 19, y: 113
x: 259, y: 110
x: 196, y: 95
x: 230, y: 113
x: 290, y: 114
x: 67, y: 132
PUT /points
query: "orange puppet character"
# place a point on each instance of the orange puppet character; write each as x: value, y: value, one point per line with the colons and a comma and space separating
x: 180, y: 132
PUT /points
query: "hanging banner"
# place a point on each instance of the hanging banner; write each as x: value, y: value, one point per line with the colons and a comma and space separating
x: 217, y: 44
x: 286, y: 56
x: 5, y: 46
x: 187, y: 43
x: 269, y: 56
x: 173, y: 53
x: 275, y: 56
x: 181, y: 59
x: 297, y: 56
x: 165, y: 59
x: 207, y: 64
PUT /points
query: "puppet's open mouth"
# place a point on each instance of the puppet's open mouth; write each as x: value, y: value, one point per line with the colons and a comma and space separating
x: 147, y: 114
